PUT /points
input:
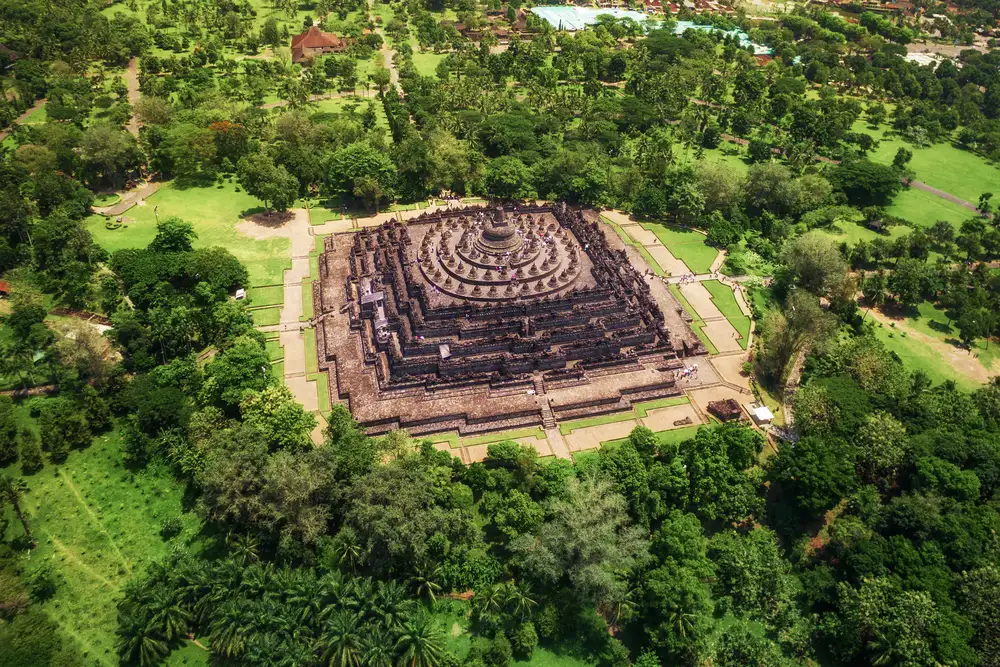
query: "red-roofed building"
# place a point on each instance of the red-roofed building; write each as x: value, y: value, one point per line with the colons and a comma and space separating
x: 314, y: 42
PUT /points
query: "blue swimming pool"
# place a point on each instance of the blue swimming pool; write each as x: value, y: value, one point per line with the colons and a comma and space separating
x: 567, y: 17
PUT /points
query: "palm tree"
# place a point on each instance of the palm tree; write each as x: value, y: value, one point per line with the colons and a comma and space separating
x: 378, y: 650
x: 14, y: 490
x: 489, y: 602
x: 168, y: 615
x: 420, y: 644
x: 391, y: 605
x: 519, y: 600
x: 243, y: 548
x: 138, y: 642
x: 425, y: 583
x: 683, y: 622
x: 227, y: 631
x: 340, y: 644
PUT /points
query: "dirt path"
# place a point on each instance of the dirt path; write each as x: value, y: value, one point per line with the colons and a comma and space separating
x: 296, y: 228
x: 960, y: 360
x: 388, y: 54
x: 132, y: 80
x: 17, y: 121
x: 920, y: 185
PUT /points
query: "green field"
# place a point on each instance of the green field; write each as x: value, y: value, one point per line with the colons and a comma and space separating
x: 923, y: 209
x: 426, y: 62
x: 686, y: 245
x: 932, y: 321
x: 271, y: 295
x: 725, y: 301
x: 264, y: 317
x: 97, y: 523
x: 916, y: 355
x: 214, y: 212
x: 943, y: 166
x: 697, y: 323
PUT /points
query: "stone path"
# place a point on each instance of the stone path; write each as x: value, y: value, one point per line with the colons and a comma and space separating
x: 290, y: 329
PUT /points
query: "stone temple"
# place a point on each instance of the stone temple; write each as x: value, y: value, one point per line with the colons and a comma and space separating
x: 482, y: 319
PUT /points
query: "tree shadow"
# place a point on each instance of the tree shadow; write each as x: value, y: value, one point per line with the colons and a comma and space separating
x: 940, y: 327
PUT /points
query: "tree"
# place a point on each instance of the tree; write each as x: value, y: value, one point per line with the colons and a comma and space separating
x: 587, y: 541
x: 360, y: 160
x: 242, y: 369
x: 341, y: 642
x: 271, y: 184
x: 8, y: 431
x: 420, y: 643
x: 109, y: 153
x: 278, y: 417
x: 63, y: 427
x: 508, y: 178
x: 881, y: 446
x: 816, y: 472
x: 866, y: 183
x: 30, y: 451
x: 739, y: 646
x: 173, y: 235
x: 381, y: 77
x: 13, y: 490
x: 814, y: 262
x: 908, y: 282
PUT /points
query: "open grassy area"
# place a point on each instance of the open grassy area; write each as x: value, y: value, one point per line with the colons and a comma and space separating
x: 623, y: 235
x: 426, y: 62
x: 686, y: 245
x: 642, y: 409
x: 309, y: 340
x: 275, y: 351
x: 932, y: 321
x: 725, y: 301
x: 638, y: 410
x: 263, y: 317
x: 916, y: 355
x: 214, y: 211
x: 922, y: 209
x: 271, y: 295
x: 97, y: 523
x: 106, y: 199
x: 943, y: 166
x: 489, y: 438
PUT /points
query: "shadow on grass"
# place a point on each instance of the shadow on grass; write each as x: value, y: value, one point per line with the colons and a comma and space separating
x: 940, y: 327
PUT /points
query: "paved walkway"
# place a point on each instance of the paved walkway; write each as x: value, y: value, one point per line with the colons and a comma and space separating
x: 129, y: 198
x: 290, y: 329
x: 20, y: 119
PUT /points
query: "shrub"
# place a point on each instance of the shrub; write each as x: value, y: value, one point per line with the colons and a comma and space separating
x: 524, y: 640
x: 171, y: 527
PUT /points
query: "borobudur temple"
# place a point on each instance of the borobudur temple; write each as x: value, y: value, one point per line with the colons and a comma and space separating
x: 481, y: 319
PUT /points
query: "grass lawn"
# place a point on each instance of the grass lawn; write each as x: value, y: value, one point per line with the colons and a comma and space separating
x: 916, y: 355
x: 846, y: 231
x: 272, y: 295
x: 322, y: 391
x: 932, y: 321
x: 97, y: 523
x: 923, y: 209
x: 263, y: 317
x: 275, y: 352
x: 725, y: 301
x: 569, y: 426
x: 214, y: 212
x: 36, y: 117
x: 312, y: 363
x: 426, y: 62
x: 686, y: 245
x: 642, y: 409
x: 635, y: 244
x: 107, y: 199
x: 943, y: 166
x: 489, y: 438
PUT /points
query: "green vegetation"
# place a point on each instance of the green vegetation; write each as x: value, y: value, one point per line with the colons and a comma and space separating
x: 686, y: 245
x: 725, y: 301
x: 219, y: 209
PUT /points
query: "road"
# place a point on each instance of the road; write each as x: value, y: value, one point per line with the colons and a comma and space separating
x: 388, y: 54
x: 132, y: 80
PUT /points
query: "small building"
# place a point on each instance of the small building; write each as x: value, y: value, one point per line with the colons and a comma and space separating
x: 314, y: 42
x: 762, y: 415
